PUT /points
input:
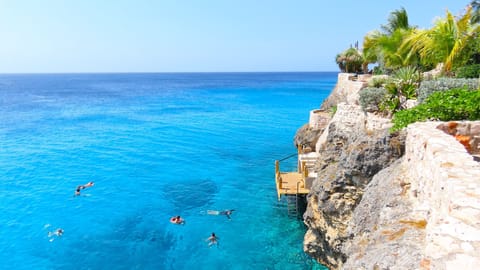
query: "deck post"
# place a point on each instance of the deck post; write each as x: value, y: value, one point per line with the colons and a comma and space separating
x: 299, y: 152
x: 278, y: 178
x: 304, y: 172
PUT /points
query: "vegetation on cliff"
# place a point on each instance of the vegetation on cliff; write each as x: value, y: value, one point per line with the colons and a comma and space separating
x: 453, y: 42
x: 350, y: 61
x: 404, y: 52
x: 391, y: 95
x: 352, y: 222
x: 457, y: 104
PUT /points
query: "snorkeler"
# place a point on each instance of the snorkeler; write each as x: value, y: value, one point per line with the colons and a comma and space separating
x: 227, y: 213
x: 213, y: 240
x: 79, y: 188
x: 58, y: 232
x: 224, y: 212
x: 89, y: 184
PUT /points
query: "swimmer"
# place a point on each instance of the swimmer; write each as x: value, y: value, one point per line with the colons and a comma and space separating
x: 177, y: 220
x: 79, y: 188
x: 224, y: 212
x: 89, y: 184
x: 77, y: 191
x: 58, y: 232
x: 227, y: 213
x: 213, y: 240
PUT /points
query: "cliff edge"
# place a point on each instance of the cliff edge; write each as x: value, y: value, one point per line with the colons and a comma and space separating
x: 407, y: 200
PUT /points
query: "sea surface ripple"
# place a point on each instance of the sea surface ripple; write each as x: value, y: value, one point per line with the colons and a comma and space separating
x: 156, y: 145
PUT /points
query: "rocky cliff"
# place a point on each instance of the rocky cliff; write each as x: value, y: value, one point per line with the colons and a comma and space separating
x: 350, y: 155
x: 373, y: 204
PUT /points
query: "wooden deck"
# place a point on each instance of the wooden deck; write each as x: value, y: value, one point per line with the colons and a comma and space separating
x: 289, y: 183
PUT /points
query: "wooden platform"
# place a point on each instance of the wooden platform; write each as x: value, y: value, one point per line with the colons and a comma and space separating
x: 289, y: 183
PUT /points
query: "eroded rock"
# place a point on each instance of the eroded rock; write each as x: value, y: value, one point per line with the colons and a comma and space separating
x: 350, y: 155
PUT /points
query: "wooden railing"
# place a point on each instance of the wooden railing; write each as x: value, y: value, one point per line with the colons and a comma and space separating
x: 302, y: 170
x: 278, y: 178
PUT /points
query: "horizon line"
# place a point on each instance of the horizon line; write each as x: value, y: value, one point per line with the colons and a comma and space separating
x: 156, y: 72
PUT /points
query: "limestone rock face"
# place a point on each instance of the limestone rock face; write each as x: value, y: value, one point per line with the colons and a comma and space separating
x: 350, y: 155
x: 423, y: 211
x: 385, y: 231
x: 346, y: 90
x: 333, y: 99
x: 408, y: 200
x: 307, y: 137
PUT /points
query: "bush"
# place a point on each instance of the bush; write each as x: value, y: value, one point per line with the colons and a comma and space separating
x: 456, y: 104
x: 333, y: 110
x: 391, y: 103
x: 407, y: 80
x: 378, y: 71
x: 471, y: 71
x: 443, y: 84
x: 371, y: 97
x: 378, y: 81
x: 401, y: 87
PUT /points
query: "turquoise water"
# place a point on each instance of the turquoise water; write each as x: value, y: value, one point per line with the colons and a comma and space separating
x: 156, y: 145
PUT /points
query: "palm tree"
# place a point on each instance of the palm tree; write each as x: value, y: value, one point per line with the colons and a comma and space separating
x: 398, y: 19
x: 382, y: 47
x: 446, y: 42
x: 476, y: 11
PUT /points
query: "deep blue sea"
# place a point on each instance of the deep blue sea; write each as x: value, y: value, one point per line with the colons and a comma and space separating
x: 155, y: 146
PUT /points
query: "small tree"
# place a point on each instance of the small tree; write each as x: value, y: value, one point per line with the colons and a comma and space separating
x: 383, y: 46
x: 350, y: 61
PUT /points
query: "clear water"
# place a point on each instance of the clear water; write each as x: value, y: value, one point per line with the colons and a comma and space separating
x: 156, y: 145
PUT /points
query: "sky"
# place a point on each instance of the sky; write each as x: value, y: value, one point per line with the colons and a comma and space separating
x: 67, y: 36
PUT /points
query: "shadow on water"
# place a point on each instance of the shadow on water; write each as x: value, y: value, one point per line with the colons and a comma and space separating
x: 190, y: 195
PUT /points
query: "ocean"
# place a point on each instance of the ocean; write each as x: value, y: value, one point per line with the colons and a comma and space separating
x: 156, y: 145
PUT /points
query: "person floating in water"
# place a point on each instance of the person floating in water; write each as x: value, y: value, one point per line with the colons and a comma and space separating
x: 224, y: 212
x: 227, y: 213
x: 58, y: 232
x: 79, y: 188
x: 212, y: 240
x: 177, y: 220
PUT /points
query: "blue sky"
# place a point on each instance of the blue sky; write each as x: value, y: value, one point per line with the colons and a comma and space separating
x: 193, y: 36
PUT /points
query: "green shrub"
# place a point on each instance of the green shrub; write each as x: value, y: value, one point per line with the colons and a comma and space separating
x: 378, y: 81
x: 371, y: 97
x: 442, y: 84
x: 456, y: 104
x: 471, y: 71
x: 407, y: 79
x: 401, y: 87
x: 393, y: 98
x: 378, y: 70
x: 333, y: 110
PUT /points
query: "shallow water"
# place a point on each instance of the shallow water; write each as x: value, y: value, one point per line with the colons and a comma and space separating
x: 156, y: 145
